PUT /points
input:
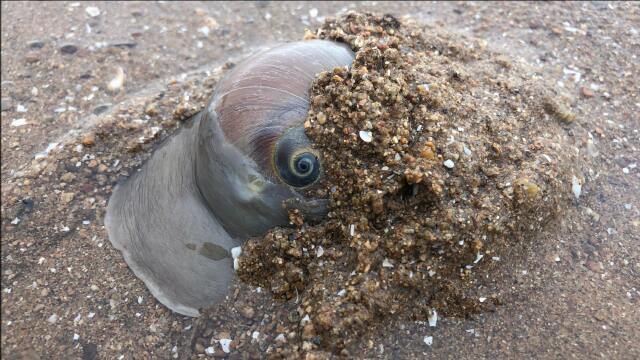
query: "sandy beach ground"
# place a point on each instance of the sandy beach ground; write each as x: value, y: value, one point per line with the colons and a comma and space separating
x: 66, y: 293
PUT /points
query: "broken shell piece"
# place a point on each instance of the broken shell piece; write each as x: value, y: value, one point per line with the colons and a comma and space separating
x: 117, y: 82
x: 366, y: 136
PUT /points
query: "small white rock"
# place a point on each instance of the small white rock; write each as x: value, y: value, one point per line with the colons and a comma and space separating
x: 21, y: 108
x: 15, y: 221
x: 319, y: 251
x: 386, y: 263
x: 448, y: 163
x: 204, y: 30
x: 210, y: 350
x: 76, y: 337
x: 116, y: 83
x: 342, y: 292
x: 433, y: 318
x: 576, y: 187
x: 428, y: 340
x: 92, y: 11
x: 482, y: 299
x: 313, y: 12
x: 52, y: 319
x: 366, y: 136
x: 18, y: 122
x: 224, y: 344
x: 236, y: 251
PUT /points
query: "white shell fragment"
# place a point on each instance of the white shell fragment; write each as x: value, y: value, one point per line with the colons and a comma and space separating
x: 366, y: 136
x: 116, y: 83
x: 224, y: 344
x: 428, y: 340
x: 18, y: 122
x: 235, y: 254
x: 433, y: 318
x: 576, y: 187
x: 92, y: 11
x: 448, y: 163
x: 386, y: 263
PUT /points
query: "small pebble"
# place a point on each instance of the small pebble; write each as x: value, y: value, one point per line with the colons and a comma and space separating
x: 224, y: 344
x: 586, y: 92
x: 35, y: 44
x: 116, y: 83
x: 449, y: 164
x: 89, y: 140
x: 576, y: 187
x: 428, y: 340
x: 68, y: 49
x: 18, y: 122
x: 52, y: 319
x: 92, y: 11
x: 31, y: 58
x: 366, y: 136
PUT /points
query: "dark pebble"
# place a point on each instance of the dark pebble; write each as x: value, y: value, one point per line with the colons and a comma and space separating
x: 100, y: 109
x: 35, y: 44
x: 125, y: 44
x: 68, y: 49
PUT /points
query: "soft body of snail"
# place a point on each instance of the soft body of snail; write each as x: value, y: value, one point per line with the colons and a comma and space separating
x: 223, y: 177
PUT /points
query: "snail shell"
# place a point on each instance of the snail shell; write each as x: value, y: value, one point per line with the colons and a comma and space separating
x: 223, y: 177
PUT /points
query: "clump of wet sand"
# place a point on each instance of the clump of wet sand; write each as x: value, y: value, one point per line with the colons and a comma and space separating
x: 439, y: 155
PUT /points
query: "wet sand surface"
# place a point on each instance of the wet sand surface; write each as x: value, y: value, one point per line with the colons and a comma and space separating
x: 66, y: 293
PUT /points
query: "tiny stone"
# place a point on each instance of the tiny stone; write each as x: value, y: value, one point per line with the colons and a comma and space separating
x: 52, y: 319
x: 68, y: 49
x: 366, y: 136
x: 18, y: 122
x: 32, y: 58
x: 586, y: 92
x: 322, y: 118
x: 247, y: 312
x: 100, y: 109
x: 428, y: 340
x: 117, y: 82
x: 449, y: 164
x: 151, y: 110
x: 35, y: 44
x: 92, y: 11
x: 68, y: 177
x: 89, y: 140
x: 67, y: 197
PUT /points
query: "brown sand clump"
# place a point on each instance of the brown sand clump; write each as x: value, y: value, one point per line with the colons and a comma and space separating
x: 438, y: 156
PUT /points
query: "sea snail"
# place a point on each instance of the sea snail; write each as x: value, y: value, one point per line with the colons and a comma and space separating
x: 224, y: 177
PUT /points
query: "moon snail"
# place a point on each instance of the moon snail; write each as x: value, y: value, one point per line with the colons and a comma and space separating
x: 224, y: 177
